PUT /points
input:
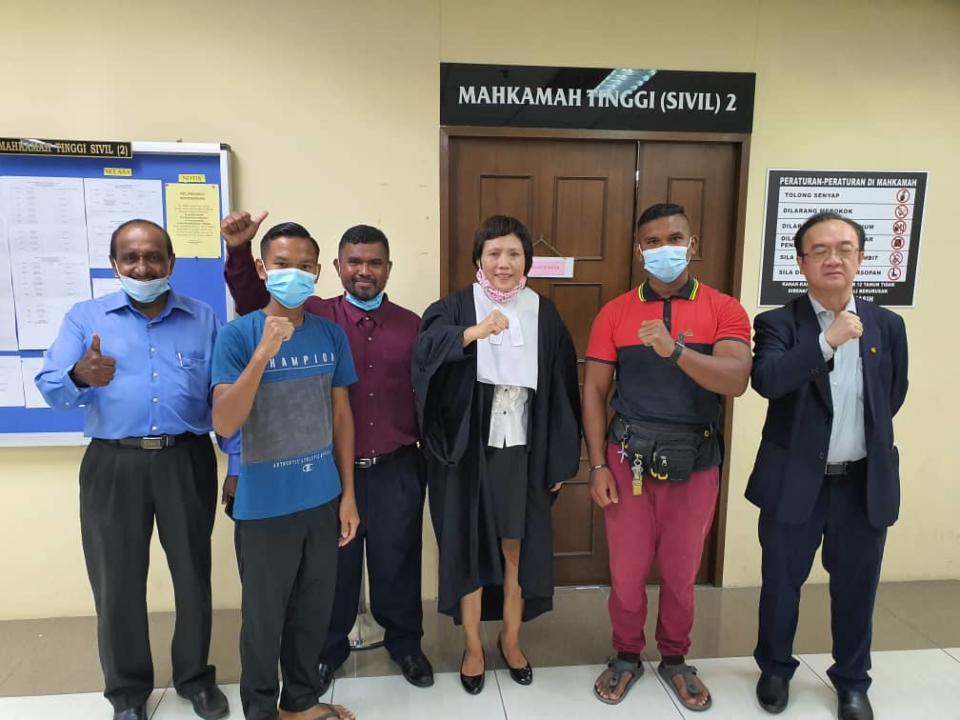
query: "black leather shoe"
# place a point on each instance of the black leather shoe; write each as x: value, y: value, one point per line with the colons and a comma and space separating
x: 773, y: 693
x: 521, y: 676
x: 209, y: 703
x: 137, y: 713
x: 417, y: 670
x: 853, y: 705
x: 473, y: 684
x: 326, y: 677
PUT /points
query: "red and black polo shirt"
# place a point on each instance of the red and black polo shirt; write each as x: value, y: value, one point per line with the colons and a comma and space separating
x: 649, y: 388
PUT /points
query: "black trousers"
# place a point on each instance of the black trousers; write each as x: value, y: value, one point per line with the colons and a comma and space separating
x: 852, y: 554
x: 122, y: 490
x: 390, y: 502
x: 287, y: 569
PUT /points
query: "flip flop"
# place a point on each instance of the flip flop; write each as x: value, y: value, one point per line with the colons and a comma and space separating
x: 617, y: 668
x: 331, y: 712
x: 694, y: 686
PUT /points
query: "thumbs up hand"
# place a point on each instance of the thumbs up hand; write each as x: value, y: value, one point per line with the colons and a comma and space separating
x: 94, y: 369
x: 239, y: 228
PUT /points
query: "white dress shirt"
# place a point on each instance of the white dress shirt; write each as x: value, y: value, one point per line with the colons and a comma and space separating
x: 847, y: 433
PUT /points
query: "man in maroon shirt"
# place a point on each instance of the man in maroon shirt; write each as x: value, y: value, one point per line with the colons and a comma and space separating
x: 389, y: 480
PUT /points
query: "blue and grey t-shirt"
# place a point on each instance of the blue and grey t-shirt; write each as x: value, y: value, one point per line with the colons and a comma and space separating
x: 287, y: 460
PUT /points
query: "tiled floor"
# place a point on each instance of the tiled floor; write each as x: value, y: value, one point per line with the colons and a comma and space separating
x: 49, y: 668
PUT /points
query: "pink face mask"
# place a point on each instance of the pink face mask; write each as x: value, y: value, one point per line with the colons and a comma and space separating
x: 498, y: 296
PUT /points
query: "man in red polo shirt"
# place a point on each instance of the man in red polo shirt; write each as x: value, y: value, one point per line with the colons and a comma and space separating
x: 677, y: 346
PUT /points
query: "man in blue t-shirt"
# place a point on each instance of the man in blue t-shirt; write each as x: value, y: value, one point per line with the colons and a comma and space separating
x: 281, y: 376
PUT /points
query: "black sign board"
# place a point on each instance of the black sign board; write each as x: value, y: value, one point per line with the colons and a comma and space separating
x: 889, y: 206
x: 66, y: 148
x: 596, y: 98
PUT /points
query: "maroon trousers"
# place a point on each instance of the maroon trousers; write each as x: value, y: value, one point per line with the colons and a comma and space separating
x: 668, y: 522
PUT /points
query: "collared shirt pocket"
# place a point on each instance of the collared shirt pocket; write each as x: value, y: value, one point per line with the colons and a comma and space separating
x: 192, y: 373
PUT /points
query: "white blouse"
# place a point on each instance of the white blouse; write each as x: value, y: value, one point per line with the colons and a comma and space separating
x: 508, y: 416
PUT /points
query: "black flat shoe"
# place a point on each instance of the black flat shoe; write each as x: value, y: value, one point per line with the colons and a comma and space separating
x: 417, y: 670
x: 137, y: 713
x: 521, y: 676
x: 209, y: 703
x: 773, y: 693
x: 853, y: 705
x: 473, y: 684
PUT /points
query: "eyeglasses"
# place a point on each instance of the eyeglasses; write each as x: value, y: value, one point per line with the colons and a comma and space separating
x: 821, y: 252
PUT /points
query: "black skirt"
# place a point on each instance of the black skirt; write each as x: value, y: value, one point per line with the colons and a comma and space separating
x: 506, y: 479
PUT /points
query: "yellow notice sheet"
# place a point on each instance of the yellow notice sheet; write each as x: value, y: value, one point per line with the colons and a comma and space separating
x: 193, y: 219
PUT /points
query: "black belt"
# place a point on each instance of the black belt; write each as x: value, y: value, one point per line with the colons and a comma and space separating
x: 151, y: 442
x: 367, y: 463
x: 839, y: 469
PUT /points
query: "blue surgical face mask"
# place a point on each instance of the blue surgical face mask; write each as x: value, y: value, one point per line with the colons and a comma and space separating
x: 290, y: 287
x: 366, y: 305
x: 666, y: 263
x: 144, y: 291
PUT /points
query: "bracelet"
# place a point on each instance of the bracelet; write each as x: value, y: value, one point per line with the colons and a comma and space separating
x: 598, y: 467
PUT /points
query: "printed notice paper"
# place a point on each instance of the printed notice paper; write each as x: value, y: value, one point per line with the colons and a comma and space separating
x: 112, y: 202
x: 11, y: 384
x: 193, y: 219
x: 30, y: 367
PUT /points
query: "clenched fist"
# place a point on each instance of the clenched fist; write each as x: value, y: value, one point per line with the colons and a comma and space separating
x: 493, y: 324
x: 94, y: 369
x: 239, y: 228
x: 845, y: 326
x: 655, y: 334
x: 276, y: 331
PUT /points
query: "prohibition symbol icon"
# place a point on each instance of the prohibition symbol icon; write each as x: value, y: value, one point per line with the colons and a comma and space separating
x: 896, y: 258
x: 902, y: 211
x: 899, y: 227
x: 898, y: 243
x: 895, y: 273
x: 903, y: 195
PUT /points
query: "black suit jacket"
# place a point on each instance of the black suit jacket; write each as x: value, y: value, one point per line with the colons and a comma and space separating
x: 789, y: 370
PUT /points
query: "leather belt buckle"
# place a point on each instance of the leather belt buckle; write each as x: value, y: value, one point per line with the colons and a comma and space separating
x: 836, y: 469
x: 365, y: 463
x: 152, y: 443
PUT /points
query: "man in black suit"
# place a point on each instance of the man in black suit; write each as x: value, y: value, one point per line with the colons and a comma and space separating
x: 834, y: 368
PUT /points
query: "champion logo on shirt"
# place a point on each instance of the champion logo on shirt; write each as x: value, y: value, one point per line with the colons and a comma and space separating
x: 301, y: 362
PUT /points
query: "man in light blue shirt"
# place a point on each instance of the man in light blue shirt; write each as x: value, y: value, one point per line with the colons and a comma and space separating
x: 138, y: 361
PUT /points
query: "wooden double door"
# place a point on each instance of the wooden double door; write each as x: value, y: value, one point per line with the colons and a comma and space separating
x: 580, y: 198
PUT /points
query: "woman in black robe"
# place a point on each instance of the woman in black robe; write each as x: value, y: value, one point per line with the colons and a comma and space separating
x: 492, y: 481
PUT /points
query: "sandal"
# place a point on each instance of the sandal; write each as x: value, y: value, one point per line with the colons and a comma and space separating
x: 333, y: 712
x: 617, y: 667
x: 693, y: 684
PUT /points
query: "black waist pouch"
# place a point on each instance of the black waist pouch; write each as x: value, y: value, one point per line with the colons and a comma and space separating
x: 667, y: 453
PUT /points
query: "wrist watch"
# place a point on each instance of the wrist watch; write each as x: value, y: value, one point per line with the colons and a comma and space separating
x: 677, y: 351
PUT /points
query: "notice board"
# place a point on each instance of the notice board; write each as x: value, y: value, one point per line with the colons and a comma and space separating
x: 59, y: 203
